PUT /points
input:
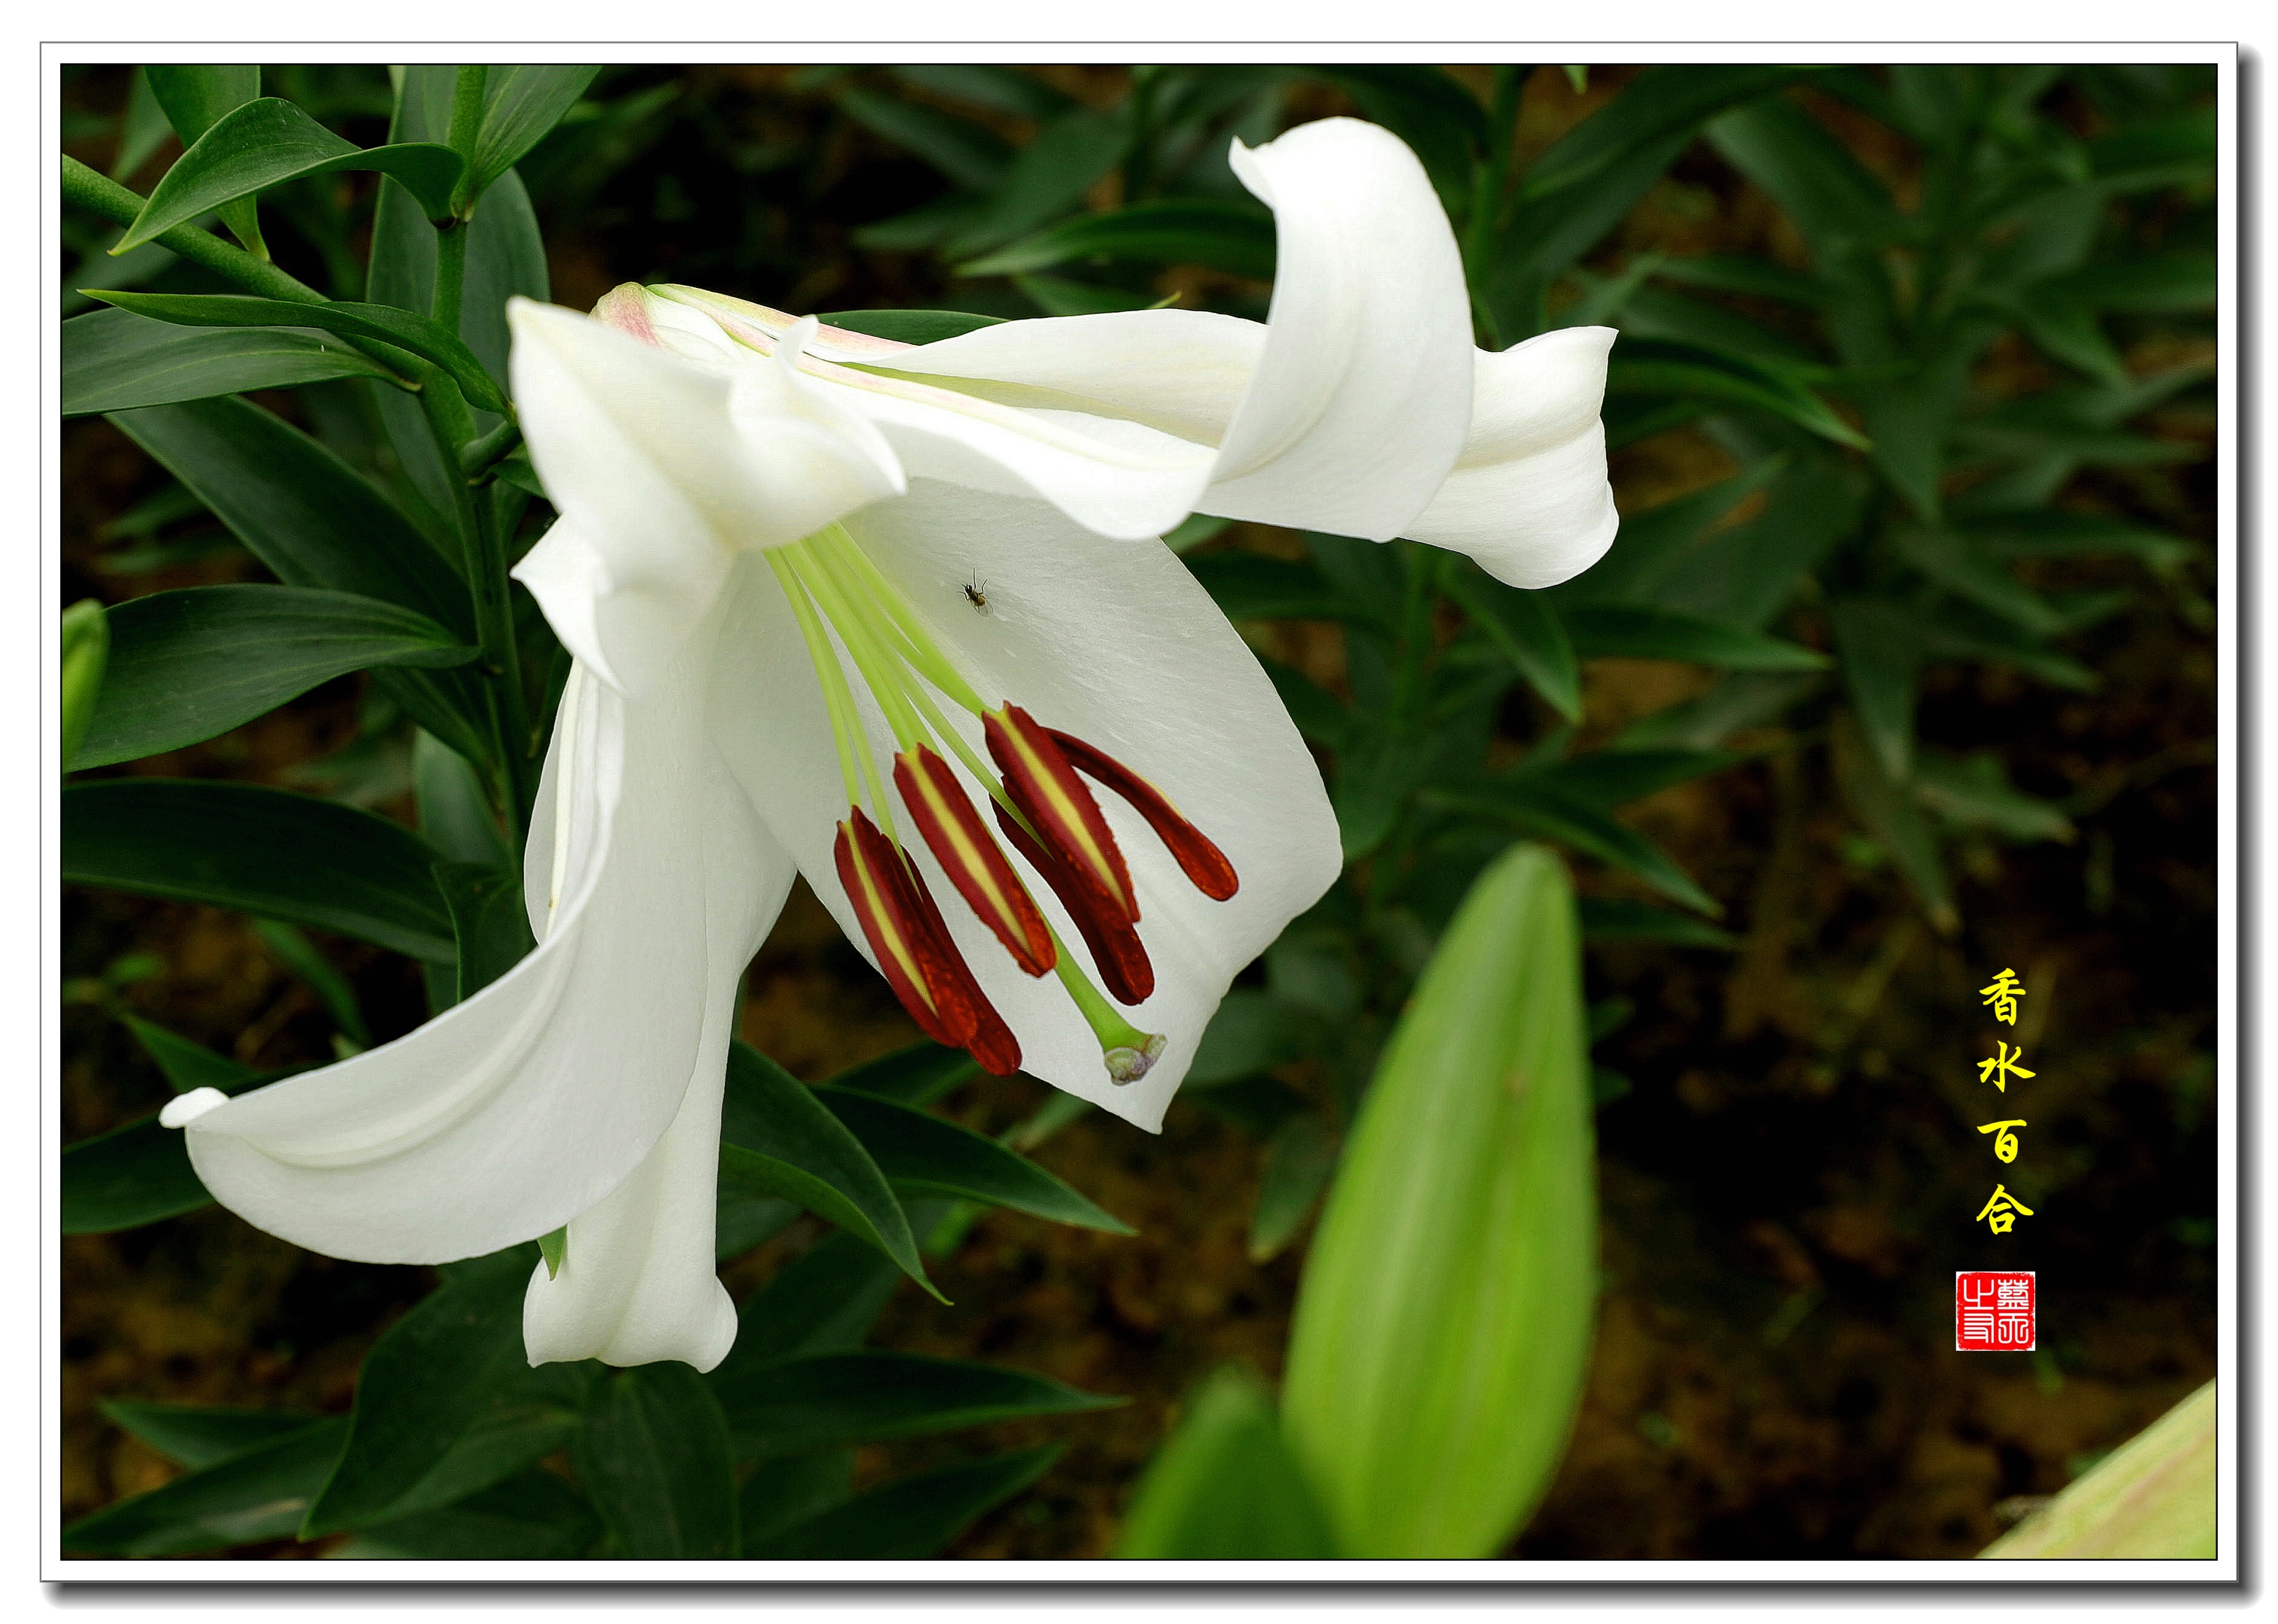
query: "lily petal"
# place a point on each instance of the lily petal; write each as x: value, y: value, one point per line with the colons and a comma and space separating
x: 517, y: 1110
x: 1112, y: 642
x: 1347, y: 411
x: 1529, y: 498
x: 666, y: 467
x: 640, y: 1283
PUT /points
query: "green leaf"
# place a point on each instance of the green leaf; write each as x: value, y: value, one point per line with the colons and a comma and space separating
x: 1974, y: 792
x: 116, y: 361
x: 1881, y: 801
x: 911, y: 326
x: 143, y: 128
x: 256, y: 1495
x: 1610, y: 778
x: 1582, y: 186
x: 132, y: 1175
x: 197, y: 1437
x: 778, y: 1139
x: 2181, y: 282
x: 531, y: 1517
x: 1839, y: 207
x: 1060, y: 296
x: 1738, y: 703
x: 1745, y: 574
x: 425, y: 1383
x: 1542, y: 808
x: 84, y: 636
x: 1001, y: 89
x: 924, y: 1154
x: 261, y: 851
x: 454, y: 817
x: 521, y: 102
x: 1613, y: 920
x: 916, y: 1075
x: 187, y: 1065
x: 798, y: 1406
x: 1224, y: 1487
x: 1048, y: 177
x: 1601, y: 630
x: 490, y: 925
x: 1234, y: 237
x: 1745, y: 274
x: 909, y: 1518
x: 1651, y: 545
x: 1252, y: 586
x: 196, y: 97
x: 1298, y: 1161
x: 316, y: 522
x: 383, y: 322
x: 825, y: 1300
x: 970, y: 154
x: 1882, y: 649
x: 2154, y: 1498
x: 1444, y: 1325
x: 266, y: 142
x: 297, y: 954
x: 1665, y: 367
x: 187, y: 665
x: 1527, y: 627
x: 1958, y: 564
x: 1320, y: 715
x: 1251, y: 1031
x: 654, y: 1457
x: 781, y: 1493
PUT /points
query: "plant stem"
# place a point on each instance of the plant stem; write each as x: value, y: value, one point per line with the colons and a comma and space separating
x: 478, y: 459
x: 101, y: 195
x: 450, y: 273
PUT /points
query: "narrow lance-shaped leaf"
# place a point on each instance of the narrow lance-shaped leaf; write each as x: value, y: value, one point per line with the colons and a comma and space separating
x: 1525, y: 626
x: 258, y: 1494
x: 521, y: 102
x: 271, y: 141
x: 1444, y: 1320
x: 654, y: 1455
x: 116, y: 361
x: 778, y: 1138
x: 195, y: 96
x: 196, y: 1435
x: 858, y: 1396
x: 928, y: 1155
x: 1227, y: 236
x: 261, y: 851
x: 2156, y: 1497
x: 187, y: 665
x: 909, y: 1518
x: 385, y: 323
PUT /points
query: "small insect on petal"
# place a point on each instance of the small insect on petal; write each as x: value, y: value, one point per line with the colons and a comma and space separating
x: 1196, y: 854
x: 969, y: 855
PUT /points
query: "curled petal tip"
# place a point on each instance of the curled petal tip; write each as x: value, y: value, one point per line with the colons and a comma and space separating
x: 184, y: 1109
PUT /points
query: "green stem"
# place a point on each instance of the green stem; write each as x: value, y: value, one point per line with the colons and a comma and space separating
x: 450, y: 273
x: 452, y: 426
x: 477, y: 460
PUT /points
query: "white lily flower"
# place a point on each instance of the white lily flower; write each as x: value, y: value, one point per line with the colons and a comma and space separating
x: 768, y: 534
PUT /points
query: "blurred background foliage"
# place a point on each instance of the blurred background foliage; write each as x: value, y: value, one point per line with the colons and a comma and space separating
x: 1900, y: 670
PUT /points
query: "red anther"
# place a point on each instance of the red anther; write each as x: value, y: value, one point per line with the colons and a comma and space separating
x: 969, y: 855
x: 1195, y: 853
x: 914, y: 947
x: 987, y: 1039
x: 1060, y: 806
x: 1115, y: 945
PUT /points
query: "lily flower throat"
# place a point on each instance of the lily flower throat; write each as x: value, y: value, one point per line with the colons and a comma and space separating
x: 1039, y: 782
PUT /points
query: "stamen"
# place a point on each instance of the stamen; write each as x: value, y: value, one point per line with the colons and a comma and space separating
x: 1115, y: 945
x: 971, y: 857
x: 1059, y: 805
x: 1198, y: 856
x: 854, y: 764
